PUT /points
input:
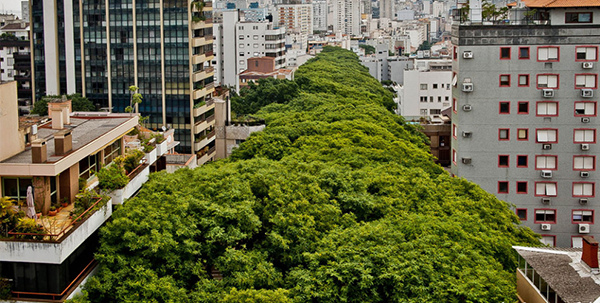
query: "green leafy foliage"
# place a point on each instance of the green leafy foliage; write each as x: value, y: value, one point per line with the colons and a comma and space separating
x: 337, y: 200
x: 369, y: 49
x: 78, y: 103
x: 112, y: 177
x: 267, y: 91
x: 9, y: 216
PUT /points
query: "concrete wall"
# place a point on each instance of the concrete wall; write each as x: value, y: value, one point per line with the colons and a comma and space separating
x: 527, y: 291
x: 484, y: 120
x: 9, y: 121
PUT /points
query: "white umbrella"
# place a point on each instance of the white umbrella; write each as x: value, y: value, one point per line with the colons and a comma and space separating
x: 30, y: 205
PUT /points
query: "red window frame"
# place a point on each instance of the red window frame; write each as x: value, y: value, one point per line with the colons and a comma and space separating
x: 553, y: 239
x: 454, y: 156
x: 547, y: 142
x: 517, y: 187
x: 507, y: 187
x: 509, y: 53
x: 547, y: 74
x: 526, y: 161
x: 507, y: 160
x: 555, y: 161
x: 584, y: 222
x: 507, y: 134
x: 586, y: 46
x: 454, y: 131
x: 537, y: 53
x: 546, y: 222
x: 519, y: 112
x: 517, y: 213
x: 589, y: 142
x: 538, y: 102
x: 526, y: 132
x: 545, y: 182
x: 585, y: 74
x: 455, y: 56
x: 584, y: 169
x: 500, y: 80
x: 519, y: 80
x: 584, y: 196
x: 528, y: 53
x: 500, y: 107
x: 584, y: 115
x: 454, y: 105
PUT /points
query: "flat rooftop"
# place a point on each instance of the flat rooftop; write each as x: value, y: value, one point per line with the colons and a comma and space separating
x: 561, y: 268
x: 83, y: 132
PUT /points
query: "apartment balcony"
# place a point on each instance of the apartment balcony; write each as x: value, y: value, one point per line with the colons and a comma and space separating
x: 137, y: 178
x: 206, y: 155
x: 205, y: 141
x: 203, y: 124
x: 60, y: 237
x: 208, y: 105
x: 201, y: 58
x: 209, y: 88
x: 203, y: 74
x: 202, y: 24
x: 200, y: 41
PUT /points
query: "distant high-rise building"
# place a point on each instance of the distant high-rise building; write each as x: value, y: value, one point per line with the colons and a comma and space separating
x: 295, y: 18
x: 386, y: 9
x: 525, y: 120
x: 346, y: 16
x: 25, y: 10
x: 101, y: 48
x: 319, y: 15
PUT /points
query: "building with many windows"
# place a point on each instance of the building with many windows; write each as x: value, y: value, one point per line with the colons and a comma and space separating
x: 100, y: 48
x: 525, y: 117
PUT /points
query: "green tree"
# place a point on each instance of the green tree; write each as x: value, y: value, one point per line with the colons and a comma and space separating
x: 369, y: 49
x: 78, y: 103
x: 134, y: 100
x: 337, y: 200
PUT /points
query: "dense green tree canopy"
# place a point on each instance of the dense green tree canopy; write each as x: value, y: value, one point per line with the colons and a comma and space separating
x: 78, y: 103
x: 337, y: 200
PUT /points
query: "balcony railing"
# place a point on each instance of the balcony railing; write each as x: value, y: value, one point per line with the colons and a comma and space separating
x: 515, y: 16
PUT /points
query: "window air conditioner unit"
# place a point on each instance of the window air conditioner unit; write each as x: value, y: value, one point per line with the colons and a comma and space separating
x: 546, y: 226
x: 585, y: 120
x: 584, y: 174
x: 547, y: 93
x: 587, y: 93
x: 467, y: 87
x: 546, y: 146
x: 585, y: 146
x: 545, y: 200
x: 466, y: 160
x: 467, y: 107
x: 469, y: 55
x: 583, y: 201
x: 587, y: 65
x: 467, y: 134
x: 546, y: 174
x: 584, y: 228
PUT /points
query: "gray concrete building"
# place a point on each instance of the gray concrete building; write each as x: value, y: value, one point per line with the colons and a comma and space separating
x: 525, y: 113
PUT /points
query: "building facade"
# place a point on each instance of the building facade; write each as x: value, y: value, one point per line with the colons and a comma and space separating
x: 295, y: 18
x: 101, y: 48
x: 525, y: 113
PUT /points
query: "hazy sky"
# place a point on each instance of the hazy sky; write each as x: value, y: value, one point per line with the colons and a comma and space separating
x: 10, y: 7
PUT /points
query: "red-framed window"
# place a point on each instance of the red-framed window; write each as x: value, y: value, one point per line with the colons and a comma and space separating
x: 585, y: 108
x: 582, y: 216
x: 523, y: 108
x: 546, y: 135
x: 577, y: 241
x: 522, y: 161
x: 546, y: 108
x: 504, y: 107
x: 586, y: 53
x: 503, y: 160
x: 522, y: 134
x: 503, y: 187
x: 549, y: 240
x: 548, y: 53
x: 454, y: 105
x: 579, y: 17
x: 546, y: 162
x: 545, y: 215
x: 545, y: 81
x: 584, y: 135
x: 521, y: 213
x: 455, y: 56
x: 523, y: 80
x: 503, y: 134
x: 587, y: 80
x: 545, y: 189
x: 505, y: 80
x: 524, y: 53
x: 505, y: 53
x: 454, y: 156
x: 584, y: 163
x: 584, y: 189
x: 454, y: 131
x: 521, y: 187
